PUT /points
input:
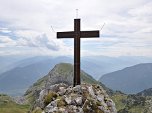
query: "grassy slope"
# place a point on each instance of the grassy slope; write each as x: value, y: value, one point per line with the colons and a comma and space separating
x: 133, y: 104
x: 119, y: 100
x: 8, y: 106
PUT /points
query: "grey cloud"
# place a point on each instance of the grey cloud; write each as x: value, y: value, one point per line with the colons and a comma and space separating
x: 52, y: 47
x: 39, y: 41
x: 50, y: 44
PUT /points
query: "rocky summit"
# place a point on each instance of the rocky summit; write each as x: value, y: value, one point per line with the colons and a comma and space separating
x: 84, y: 98
x: 54, y: 93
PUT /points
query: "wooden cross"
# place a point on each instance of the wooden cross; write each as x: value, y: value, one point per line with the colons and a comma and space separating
x: 77, y: 34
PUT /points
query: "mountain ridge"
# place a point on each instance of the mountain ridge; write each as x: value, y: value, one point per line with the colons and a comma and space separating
x: 146, y: 92
x: 131, y: 79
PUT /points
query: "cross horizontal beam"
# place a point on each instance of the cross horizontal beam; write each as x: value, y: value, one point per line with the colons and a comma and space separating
x: 68, y: 34
x: 89, y: 34
x: 83, y: 34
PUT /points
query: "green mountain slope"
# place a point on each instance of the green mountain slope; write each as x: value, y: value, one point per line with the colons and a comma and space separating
x: 132, y: 103
x: 7, y: 105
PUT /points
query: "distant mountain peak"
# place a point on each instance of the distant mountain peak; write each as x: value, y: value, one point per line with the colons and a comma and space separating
x: 130, y: 80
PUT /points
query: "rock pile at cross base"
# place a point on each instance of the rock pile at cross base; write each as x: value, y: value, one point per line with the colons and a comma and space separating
x: 84, y: 98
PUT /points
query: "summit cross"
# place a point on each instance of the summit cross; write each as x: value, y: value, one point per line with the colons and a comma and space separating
x: 77, y: 34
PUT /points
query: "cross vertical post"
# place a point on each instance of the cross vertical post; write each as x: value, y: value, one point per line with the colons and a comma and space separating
x: 77, y: 79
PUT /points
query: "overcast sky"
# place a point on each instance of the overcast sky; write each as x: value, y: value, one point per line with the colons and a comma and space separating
x: 25, y: 27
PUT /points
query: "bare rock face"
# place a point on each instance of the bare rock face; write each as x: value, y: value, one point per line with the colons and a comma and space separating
x: 84, y: 98
x: 61, y: 73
